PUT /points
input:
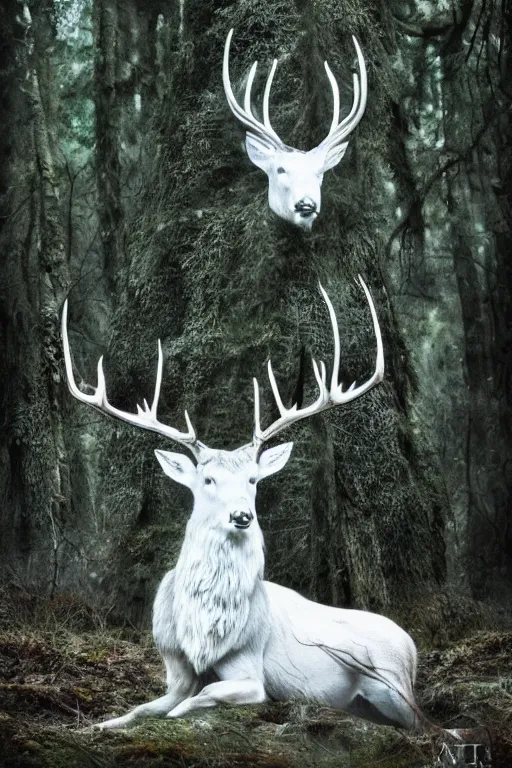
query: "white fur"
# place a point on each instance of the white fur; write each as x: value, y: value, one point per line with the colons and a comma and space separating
x: 293, y: 176
x: 228, y: 636
x: 214, y: 582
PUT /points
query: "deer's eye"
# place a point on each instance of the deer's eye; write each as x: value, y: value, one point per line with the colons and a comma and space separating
x: 209, y: 481
x: 281, y: 169
x: 252, y: 480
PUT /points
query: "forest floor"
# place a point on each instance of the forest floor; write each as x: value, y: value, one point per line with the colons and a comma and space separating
x: 62, y: 670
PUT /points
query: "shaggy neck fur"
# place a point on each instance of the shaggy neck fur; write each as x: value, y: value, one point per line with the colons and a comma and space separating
x: 215, y: 578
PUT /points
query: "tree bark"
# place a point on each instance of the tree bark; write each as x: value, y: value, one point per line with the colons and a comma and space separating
x: 125, y: 183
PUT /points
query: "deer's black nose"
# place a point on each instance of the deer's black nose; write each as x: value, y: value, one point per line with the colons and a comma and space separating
x: 241, y: 519
x: 306, y: 206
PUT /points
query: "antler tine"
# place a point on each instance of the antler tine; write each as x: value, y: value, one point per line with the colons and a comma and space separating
x: 257, y: 439
x: 327, y: 398
x: 336, y: 336
x: 275, y: 391
x: 248, y: 89
x: 266, y: 96
x: 262, y: 130
x: 335, y: 98
x: 158, y: 382
x: 146, y: 417
x: 340, y: 131
x: 355, y: 103
x: 337, y: 394
x: 89, y: 399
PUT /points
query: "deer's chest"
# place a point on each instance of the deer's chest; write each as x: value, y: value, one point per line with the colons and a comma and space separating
x: 211, y: 608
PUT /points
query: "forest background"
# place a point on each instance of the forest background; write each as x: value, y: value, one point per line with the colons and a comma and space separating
x: 125, y: 187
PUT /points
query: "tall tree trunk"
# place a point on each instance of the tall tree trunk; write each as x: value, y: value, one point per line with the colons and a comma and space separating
x: 39, y: 484
x: 226, y: 285
x: 108, y: 134
x: 449, y: 249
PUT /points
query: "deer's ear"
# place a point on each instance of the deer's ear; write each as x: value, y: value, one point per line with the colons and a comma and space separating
x: 178, y: 467
x: 273, y: 459
x: 259, y: 153
x: 334, y: 156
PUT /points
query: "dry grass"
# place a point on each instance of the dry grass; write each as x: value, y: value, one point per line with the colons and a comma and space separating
x: 468, y: 685
x: 62, y: 669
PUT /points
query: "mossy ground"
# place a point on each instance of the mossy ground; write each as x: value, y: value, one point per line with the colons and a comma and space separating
x: 63, y: 672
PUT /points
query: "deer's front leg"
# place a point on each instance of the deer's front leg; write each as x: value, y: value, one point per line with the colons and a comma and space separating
x: 241, y: 682
x: 233, y: 692
x: 181, y: 683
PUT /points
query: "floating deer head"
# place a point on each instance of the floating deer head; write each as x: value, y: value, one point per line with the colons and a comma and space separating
x: 214, y: 615
x: 295, y: 177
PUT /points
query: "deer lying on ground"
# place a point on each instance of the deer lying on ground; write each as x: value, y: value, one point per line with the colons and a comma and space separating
x: 225, y: 634
x: 295, y: 177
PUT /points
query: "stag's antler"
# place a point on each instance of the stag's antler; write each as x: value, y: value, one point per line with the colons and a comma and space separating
x: 259, y: 130
x: 341, y: 131
x: 338, y: 132
x: 145, y: 417
x: 327, y: 398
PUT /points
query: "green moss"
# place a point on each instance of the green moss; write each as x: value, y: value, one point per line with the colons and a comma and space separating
x: 467, y: 682
x: 83, y: 694
x: 226, y: 286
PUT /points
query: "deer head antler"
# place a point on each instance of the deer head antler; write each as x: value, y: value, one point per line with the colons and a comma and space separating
x: 328, y: 397
x: 146, y: 417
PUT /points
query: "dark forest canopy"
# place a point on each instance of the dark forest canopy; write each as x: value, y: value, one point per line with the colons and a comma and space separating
x: 126, y: 188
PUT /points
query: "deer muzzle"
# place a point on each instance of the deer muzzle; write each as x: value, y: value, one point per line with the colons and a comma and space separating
x: 306, y: 207
x: 241, y: 519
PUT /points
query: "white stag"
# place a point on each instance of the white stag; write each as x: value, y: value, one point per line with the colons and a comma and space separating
x: 295, y: 177
x: 225, y: 634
